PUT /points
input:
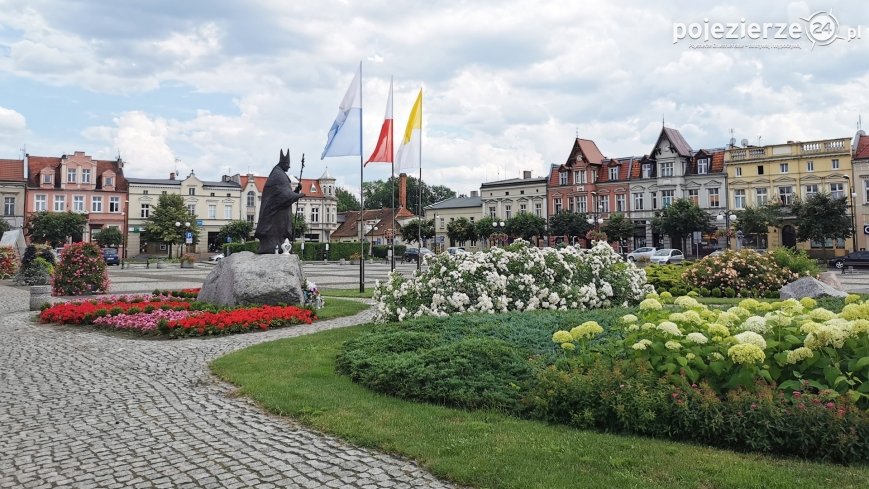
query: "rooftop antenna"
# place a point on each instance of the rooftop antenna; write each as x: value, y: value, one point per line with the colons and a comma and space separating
x: 758, y: 140
x: 744, y: 142
x: 177, y: 160
x: 732, y: 139
x: 577, y: 132
x: 859, y: 122
x: 662, y: 120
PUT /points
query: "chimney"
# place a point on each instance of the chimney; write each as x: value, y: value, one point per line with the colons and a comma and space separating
x: 402, y: 191
x: 172, y: 176
x: 526, y: 174
x: 475, y: 193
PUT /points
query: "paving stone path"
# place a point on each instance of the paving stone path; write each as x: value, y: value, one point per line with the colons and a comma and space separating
x: 85, y: 408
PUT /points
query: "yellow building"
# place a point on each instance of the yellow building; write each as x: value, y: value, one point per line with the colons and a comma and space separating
x: 782, y: 173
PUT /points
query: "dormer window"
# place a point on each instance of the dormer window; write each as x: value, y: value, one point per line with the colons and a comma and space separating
x: 562, y: 178
x: 46, y: 178
x: 614, y: 173
x: 703, y: 166
x: 109, y: 181
x: 313, y: 189
x: 647, y: 170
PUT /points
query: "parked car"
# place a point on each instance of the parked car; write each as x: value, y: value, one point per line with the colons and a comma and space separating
x: 667, y: 255
x: 456, y: 250
x: 413, y: 254
x: 853, y: 259
x: 644, y: 252
x: 215, y: 258
x: 110, y: 255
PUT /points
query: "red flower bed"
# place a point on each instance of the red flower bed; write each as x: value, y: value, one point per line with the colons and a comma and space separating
x: 239, y: 320
x: 85, y: 312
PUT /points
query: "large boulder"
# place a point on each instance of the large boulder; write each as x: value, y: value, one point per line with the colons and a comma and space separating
x: 831, y: 279
x: 245, y: 278
x: 808, y: 287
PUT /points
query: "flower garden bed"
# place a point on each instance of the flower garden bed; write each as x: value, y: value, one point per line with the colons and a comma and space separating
x: 172, y: 313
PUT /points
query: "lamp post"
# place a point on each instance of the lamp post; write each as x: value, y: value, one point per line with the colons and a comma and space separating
x: 853, y: 215
x: 726, y: 216
x: 126, y: 230
x: 498, y: 226
x: 178, y: 226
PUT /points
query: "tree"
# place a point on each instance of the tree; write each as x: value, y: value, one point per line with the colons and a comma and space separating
x: 526, y: 225
x: 411, y: 230
x: 299, y: 225
x: 347, y: 201
x: 822, y: 217
x: 379, y: 194
x: 484, y: 227
x: 680, y: 219
x: 238, y: 230
x: 109, y: 237
x: 4, y: 226
x: 618, y: 227
x: 755, y: 221
x: 55, y: 227
x: 160, y: 225
x: 461, y: 230
x: 566, y: 223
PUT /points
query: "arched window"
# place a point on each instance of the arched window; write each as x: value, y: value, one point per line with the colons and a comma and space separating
x: 251, y: 199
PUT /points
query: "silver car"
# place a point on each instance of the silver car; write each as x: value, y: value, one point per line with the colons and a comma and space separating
x: 667, y: 255
x: 645, y: 252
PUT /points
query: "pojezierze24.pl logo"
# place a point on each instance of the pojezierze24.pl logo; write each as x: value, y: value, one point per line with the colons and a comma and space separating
x: 821, y: 29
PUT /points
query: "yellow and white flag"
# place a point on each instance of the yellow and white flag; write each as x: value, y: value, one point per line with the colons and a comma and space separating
x: 410, y: 151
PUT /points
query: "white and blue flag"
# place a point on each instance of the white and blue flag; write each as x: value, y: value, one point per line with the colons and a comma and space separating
x: 345, y: 136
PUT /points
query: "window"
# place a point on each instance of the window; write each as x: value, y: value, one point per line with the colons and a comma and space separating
x: 212, y: 194
x: 538, y: 210
x: 654, y: 200
x: 251, y: 199
x: 703, y: 166
x: 761, y: 196
x: 837, y: 190
x: 713, y: 197
x: 603, y: 204
x: 667, y: 198
x: 523, y: 208
x: 507, y: 193
x: 647, y: 170
x: 581, y: 204
x: 191, y: 191
x: 8, y: 206
x: 739, y: 199
x: 212, y: 211
x: 570, y: 204
x: 250, y: 218
x: 315, y: 214
x: 620, y: 203
x: 614, y: 173
x: 46, y: 178
x: 835, y: 163
x: 810, y: 166
x: 227, y: 211
x: 96, y: 204
x: 85, y: 175
x: 521, y: 192
x: 557, y: 205
x: 760, y: 169
x: 866, y: 191
x: 39, y: 202
x: 492, y: 212
x: 146, y: 211
x: 694, y: 196
x: 70, y: 175
x: 114, y: 204
x: 579, y: 177
x: 594, y: 176
x: 667, y: 169
x: 108, y: 181
x: 562, y: 178
x: 783, y: 167
x: 811, y: 190
x: 144, y: 192
x: 786, y: 195
x: 191, y: 209
x: 638, y: 201
x: 59, y: 203
x: 738, y: 171
x: 508, y: 211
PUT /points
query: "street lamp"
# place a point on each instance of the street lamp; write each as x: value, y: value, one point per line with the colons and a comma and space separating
x: 853, y: 214
x: 126, y: 228
x: 498, y: 226
x: 178, y: 225
x: 726, y: 217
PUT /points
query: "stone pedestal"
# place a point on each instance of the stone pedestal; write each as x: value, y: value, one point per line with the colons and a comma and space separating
x: 245, y: 278
x: 39, y: 295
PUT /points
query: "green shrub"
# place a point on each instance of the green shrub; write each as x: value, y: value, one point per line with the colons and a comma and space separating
x: 716, y: 292
x: 740, y: 270
x: 729, y: 292
x: 230, y: 248
x: 704, y: 292
x: 797, y: 261
x: 382, y: 251
x: 665, y: 277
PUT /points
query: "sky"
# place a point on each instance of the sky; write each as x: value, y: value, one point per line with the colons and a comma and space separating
x: 219, y: 87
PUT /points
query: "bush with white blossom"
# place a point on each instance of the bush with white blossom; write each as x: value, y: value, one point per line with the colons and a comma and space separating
x: 519, y: 277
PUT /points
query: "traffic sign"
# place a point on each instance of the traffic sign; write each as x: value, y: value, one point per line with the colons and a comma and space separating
x: 188, y: 237
x: 866, y: 229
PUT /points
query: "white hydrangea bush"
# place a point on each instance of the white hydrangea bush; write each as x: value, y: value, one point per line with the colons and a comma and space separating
x: 519, y: 277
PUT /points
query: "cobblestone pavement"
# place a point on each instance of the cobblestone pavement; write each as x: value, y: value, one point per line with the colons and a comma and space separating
x: 84, y: 408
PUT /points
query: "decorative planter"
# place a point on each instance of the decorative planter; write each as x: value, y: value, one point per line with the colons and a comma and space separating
x: 39, y: 295
x: 185, y: 264
x: 159, y: 264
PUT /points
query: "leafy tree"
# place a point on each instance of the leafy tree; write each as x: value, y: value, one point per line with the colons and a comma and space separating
x: 239, y: 230
x: 412, y: 229
x: 160, y: 225
x: 822, y: 217
x: 526, y: 225
x: 680, y: 219
x: 109, y: 237
x: 347, y: 200
x: 4, y: 226
x: 755, y: 221
x: 618, y: 227
x: 461, y: 230
x: 379, y: 194
x: 55, y: 227
x: 484, y: 227
x: 299, y: 225
x: 566, y: 223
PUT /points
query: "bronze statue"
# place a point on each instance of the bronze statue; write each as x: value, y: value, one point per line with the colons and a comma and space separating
x: 275, y: 222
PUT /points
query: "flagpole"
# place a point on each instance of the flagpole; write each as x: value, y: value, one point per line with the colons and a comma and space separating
x: 392, y: 159
x: 419, y: 185
x: 361, y: 194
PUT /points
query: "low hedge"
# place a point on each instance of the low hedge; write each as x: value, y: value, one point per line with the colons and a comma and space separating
x: 382, y: 251
x: 312, y: 251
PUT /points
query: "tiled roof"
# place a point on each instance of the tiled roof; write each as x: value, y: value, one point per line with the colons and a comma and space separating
x: 457, y: 203
x: 716, y: 164
x: 637, y: 167
x: 12, y: 170
x: 36, y: 164
x: 514, y: 181
x: 104, y: 166
x: 153, y: 181
x: 862, y: 151
x: 349, y: 228
x: 590, y: 151
x: 220, y: 184
x: 624, y: 165
x: 311, y: 188
x: 678, y: 142
x: 260, y: 182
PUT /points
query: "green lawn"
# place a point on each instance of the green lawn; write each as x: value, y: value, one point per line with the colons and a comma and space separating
x: 336, y: 308
x: 296, y: 377
x: 354, y: 293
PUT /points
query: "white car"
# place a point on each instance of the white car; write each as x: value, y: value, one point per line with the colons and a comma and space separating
x: 216, y: 258
x: 667, y: 255
x: 644, y: 252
